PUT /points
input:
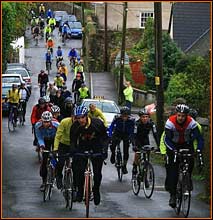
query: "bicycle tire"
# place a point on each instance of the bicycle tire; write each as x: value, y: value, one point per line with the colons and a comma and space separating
x: 118, y: 163
x: 136, y: 183
x: 148, y: 179
x: 178, y: 198
x: 68, y: 185
x: 186, y: 195
x: 48, y: 186
x: 11, y: 122
x: 21, y: 116
x: 87, y: 194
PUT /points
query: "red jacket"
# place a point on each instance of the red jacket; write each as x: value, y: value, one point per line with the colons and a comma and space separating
x: 37, y: 112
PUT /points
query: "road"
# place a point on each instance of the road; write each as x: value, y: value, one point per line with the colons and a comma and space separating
x: 21, y: 197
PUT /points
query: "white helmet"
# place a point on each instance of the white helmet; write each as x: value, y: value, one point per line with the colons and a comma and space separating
x: 46, y: 116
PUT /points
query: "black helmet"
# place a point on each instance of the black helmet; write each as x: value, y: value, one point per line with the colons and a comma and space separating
x: 182, y: 108
x: 143, y: 111
x: 68, y: 100
x: 193, y: 113
x: 41, y: 101
x: 125, y: 110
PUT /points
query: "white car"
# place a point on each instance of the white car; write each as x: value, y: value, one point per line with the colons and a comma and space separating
x: 108, y: 107
x: 9, y: 79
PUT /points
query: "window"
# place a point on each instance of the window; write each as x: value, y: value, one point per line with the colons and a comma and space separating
x: 143, y: 18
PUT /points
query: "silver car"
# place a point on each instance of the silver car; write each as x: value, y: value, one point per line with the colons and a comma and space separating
x: 108, y: 107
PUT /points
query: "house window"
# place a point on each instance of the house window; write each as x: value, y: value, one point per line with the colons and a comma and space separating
x: 143, y: 18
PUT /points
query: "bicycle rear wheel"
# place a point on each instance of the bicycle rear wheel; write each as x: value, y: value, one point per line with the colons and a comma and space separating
x: 48, y: 186
x: 118, y: 164
x: 68, y: 185
x: 136, y: 183
x: 21, y: 117
x: 148, y: 180
x: 87, y: 194
x: 186, y: 195
x: 178, y: 198
x: 11, y: 122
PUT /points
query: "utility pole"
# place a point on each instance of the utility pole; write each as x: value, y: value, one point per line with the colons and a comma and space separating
x: 105, y: 40
x: 122, y: 61
x: 83, y: 29
x: 159, y: 67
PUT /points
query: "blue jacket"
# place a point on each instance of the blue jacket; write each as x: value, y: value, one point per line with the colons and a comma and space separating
x: 48, y: 57
x: 43, y: 133
x: 72, y: 53
x: 121, y: 126
x: 59, y: 53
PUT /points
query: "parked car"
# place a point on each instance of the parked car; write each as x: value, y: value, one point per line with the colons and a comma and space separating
x: 75, y: 30
x: 7, y: 81
x: 14, y: 65
x: 108, y: 107
x: 24, y: 73
x: 58, y: 16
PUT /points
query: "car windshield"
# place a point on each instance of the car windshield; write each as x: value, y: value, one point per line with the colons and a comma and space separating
x: 11, y: 79
x: 75, y: 25
x: 69, y: 18
x: 23, y: 72
x: 5, y: 90
x: 109, y: 107
x: 60, y: 13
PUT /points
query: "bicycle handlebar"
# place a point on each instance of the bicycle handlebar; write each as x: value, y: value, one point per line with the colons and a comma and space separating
x: 181, y: 153
x: 88, y: 154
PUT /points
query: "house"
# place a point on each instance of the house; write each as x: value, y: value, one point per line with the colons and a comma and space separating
x: 137, y: 14
x: 191, y: 26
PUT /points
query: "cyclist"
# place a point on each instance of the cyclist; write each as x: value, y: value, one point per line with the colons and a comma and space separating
x: 79, y: 68
x: 36, y: 31
x: 144, y: 125
x: 62, y: 145
x: 84, y: 92
x: 76, y: 85
x: 88, y: 134
x: 25, y: 95
x: 47, y: 32
x: 55, y: 110
x: 68, y: 106
x: 41, y: 10
x: 59, y: 100
x: 42, y: 26
x: 48, y: 59
x: 63, y: 70
x: 49, y: 13
x: 43, y: 79
x: 37, y: 111
x: 51, y: 91
x: 64, y: 32
x: 122, y: 128
x: 52, y: 23
x: 45, y: 132
x: 50, y: 44
x: 58, y: 81
x: 33, y: 24
x: 65, y: 92
x: 59, y: 55
x: 180, y: 131
x: 97, y: 113
x: 13, y: 97
x: 72, y: 55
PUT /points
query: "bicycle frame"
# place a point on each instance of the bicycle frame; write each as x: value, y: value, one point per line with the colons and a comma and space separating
x: 11, y: 118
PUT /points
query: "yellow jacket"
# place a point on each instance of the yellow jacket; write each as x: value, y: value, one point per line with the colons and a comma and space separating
x: 63, y: 133
x: 13, y: 96
x: 98, y: 114
x: 63, y: 70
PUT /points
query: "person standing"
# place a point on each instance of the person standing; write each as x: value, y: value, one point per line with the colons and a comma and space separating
x: 128, y: 93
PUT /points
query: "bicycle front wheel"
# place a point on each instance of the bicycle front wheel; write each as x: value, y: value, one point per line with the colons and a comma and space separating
x: 136, y: 183
x: 186, y: 195
x: 21, y: 117
x: 148, y: 180
x: 11, y: 122
x: 87, y: 194
x: 178, y: 198
x: 68, y: 185
x: 118, y: 164
x: 48, y: 186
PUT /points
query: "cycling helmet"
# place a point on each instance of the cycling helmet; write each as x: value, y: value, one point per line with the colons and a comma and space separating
x: 193, y: 113
x: 59, y: 47
x: 14, y: 86
x: 182, y: 108
x: 55, y: 109
x: 80, y: 110
x: 46, y: 98
x: 64, y: 87
x: 41, y: 101
x: 46, y: 116
x: 68, y: 100
x: 125, y: 110
x: 42, y: 71
x: 23, y: 84
x: 143, y: 111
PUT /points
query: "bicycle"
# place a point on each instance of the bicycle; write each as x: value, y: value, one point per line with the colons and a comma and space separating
x: 88, y: 182
x: 48, y: 68
x: 43, y: 90
x: 21, y: 112
x: 145, y: 173
x: 51, y: 163
x: 36, y: 39
x: 184, y: 184
x: 64, y: 37
x: 119, y: 162
x: 11, y: 119
x: 68, y: 187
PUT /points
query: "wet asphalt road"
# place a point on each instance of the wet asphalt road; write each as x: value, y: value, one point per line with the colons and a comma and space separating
x: 21, y: 197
